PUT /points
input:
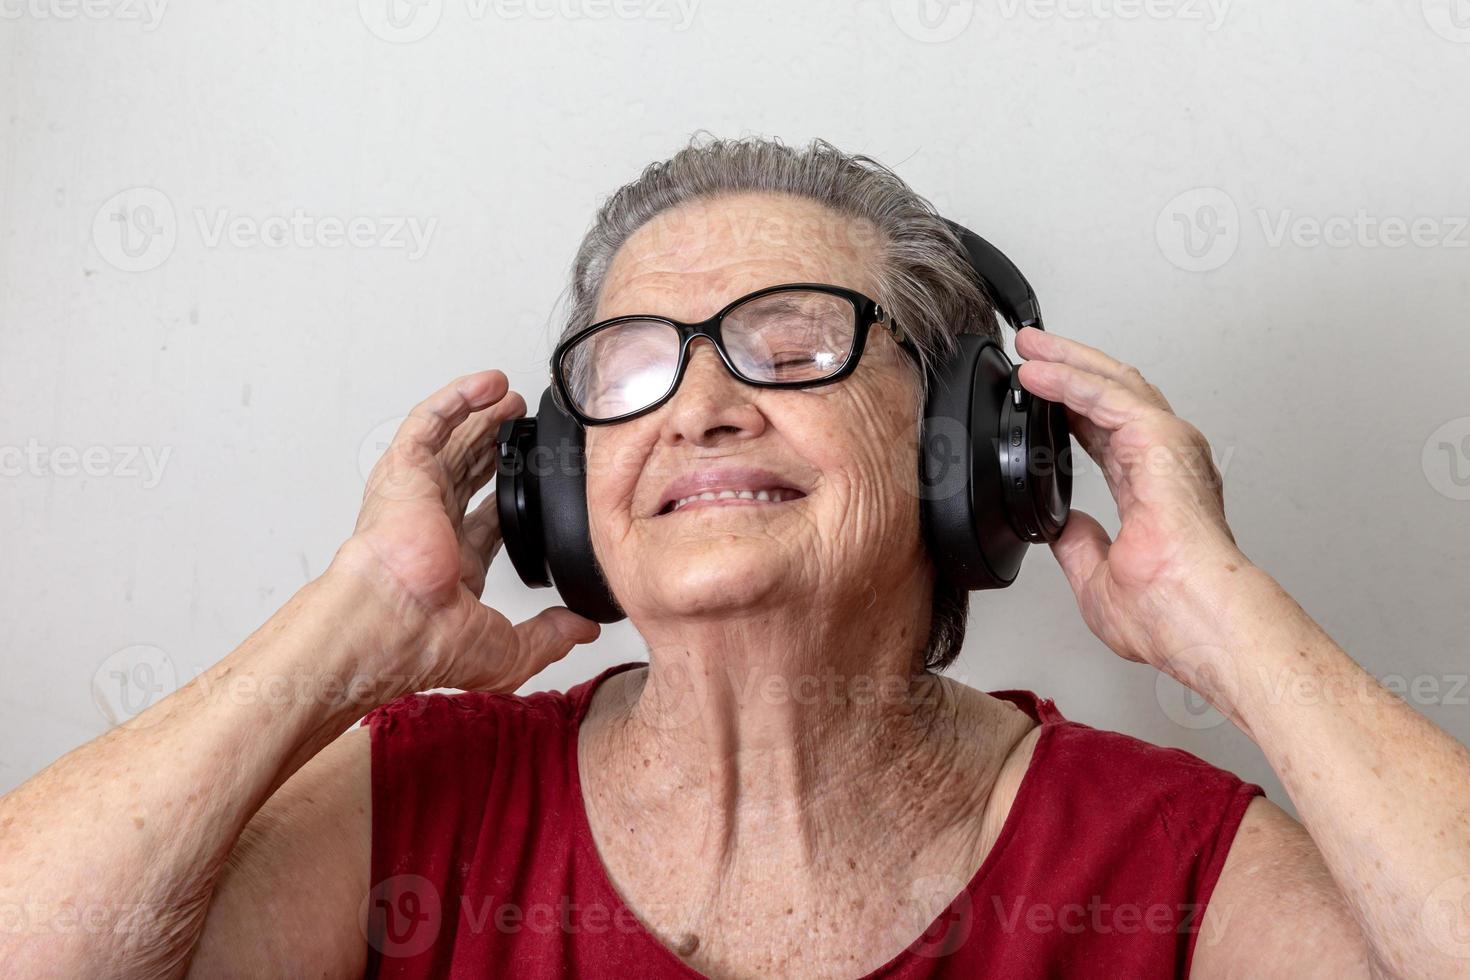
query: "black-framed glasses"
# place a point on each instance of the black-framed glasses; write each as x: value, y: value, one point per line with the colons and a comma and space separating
x: 796, y: 335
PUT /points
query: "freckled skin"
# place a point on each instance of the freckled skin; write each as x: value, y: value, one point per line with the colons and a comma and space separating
x: 849, y: 444
x: 767, y: 824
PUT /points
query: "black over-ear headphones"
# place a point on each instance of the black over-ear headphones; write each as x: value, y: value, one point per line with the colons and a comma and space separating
x: 995, y: 466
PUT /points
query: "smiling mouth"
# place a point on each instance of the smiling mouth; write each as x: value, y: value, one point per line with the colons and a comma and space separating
x: 726, y: 498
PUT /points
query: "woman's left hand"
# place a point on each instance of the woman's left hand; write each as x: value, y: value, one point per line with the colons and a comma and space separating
x: 1168, y: 491
x: 1387, y: 827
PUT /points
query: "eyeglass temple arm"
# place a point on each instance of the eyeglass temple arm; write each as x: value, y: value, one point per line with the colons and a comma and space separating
x: 885, y: 320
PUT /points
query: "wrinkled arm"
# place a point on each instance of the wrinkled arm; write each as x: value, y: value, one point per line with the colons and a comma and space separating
x: 1275, y: 910
x: 112, y: 855
x: 1383, y: 793
x: 288, y: 899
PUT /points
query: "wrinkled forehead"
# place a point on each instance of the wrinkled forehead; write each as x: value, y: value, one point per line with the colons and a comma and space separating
x: 689, y: 262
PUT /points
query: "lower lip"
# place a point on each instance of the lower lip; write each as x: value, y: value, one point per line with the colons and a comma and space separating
x: 727, y: 501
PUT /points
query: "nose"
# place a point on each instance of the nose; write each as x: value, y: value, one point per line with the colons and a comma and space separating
x: 711, y: 405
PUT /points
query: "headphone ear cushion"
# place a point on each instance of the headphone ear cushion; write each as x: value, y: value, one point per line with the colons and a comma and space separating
x: 963, y: 507
x: 561, y: 460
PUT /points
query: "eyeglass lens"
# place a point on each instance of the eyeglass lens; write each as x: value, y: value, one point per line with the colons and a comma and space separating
x: 792, y: 335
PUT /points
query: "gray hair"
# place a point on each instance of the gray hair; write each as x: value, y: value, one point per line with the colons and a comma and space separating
x: 924, y: 278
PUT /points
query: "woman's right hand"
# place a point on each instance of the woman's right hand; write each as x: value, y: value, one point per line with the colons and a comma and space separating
x: 425, y: 558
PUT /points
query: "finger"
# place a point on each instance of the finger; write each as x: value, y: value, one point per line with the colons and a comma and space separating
x: 1082, y: 547
x: 1093, y: 439
x: 479, y: 543
x: 1108, y: 404
x: 433, y: 420
x: 471, y: 454
x: 1033, y: 343
x: 544, y: 639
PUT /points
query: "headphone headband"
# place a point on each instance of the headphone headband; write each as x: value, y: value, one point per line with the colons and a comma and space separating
x: 1012, y: 295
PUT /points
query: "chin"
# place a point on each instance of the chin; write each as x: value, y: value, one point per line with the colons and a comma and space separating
x: 721, y: 573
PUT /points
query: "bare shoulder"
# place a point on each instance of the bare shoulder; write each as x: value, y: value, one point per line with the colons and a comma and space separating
x: 1275, y: 909
x: 1010, y: 736
x: 298, y: 874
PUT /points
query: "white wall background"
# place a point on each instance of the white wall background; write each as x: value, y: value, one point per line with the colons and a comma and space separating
x: 1330, y: 376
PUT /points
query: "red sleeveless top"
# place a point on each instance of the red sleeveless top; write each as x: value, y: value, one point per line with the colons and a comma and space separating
x: 483, y: 862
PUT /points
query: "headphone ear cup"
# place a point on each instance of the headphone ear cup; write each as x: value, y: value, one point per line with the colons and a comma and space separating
x: 974, y: 444
x: 561, y: 461
x: 518, y: 501
x: 1036, y: 465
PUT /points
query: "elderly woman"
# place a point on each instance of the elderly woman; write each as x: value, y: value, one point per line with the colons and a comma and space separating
x: 789, y: 786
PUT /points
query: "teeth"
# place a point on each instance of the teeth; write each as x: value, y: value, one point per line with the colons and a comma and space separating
x: 769, y: 496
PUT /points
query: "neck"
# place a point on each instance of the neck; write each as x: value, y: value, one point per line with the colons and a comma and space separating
x: 788, y: 732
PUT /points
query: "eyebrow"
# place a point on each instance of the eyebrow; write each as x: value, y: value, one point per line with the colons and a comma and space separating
x: 784, y: 301
x: 785, y: 305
